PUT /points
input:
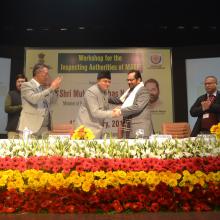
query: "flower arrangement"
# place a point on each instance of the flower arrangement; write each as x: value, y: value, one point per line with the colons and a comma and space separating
x: 82, y: 133
x: 170, y: 149
x: 65, y: 176
x: 34, y: 190
x: 215, y: 129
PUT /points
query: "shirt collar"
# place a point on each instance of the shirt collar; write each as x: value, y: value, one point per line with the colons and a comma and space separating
x: 214, y: 93
x: 36, y: 82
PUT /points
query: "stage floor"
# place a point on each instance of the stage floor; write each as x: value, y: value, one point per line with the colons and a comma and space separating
x: 215, y: 215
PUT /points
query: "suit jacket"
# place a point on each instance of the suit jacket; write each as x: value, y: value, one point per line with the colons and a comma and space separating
x: 93, y: 110
x: 33, y: 112
x: 196, y: 111
x: 138, y: 114
x: 13, y: 107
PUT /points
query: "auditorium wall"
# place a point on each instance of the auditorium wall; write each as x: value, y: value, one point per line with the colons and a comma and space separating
x: 179, y: 54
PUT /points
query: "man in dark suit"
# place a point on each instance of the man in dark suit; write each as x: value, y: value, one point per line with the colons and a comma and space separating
x: 13, y: 107
x: 206, y: 108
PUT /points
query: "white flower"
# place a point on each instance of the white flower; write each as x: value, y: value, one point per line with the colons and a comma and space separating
x: 38, y: 153
x: 111, y: 148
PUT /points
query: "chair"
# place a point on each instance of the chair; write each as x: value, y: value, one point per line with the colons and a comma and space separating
x: 62, y: 128
x: 176, y: 129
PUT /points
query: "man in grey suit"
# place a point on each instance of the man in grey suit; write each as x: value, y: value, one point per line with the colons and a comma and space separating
x: 95, y: 108
x: 135, y: 107
x: 37, y: 95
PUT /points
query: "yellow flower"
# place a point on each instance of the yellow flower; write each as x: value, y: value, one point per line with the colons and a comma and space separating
x: 100, y: 174
x: 82, y: 133
x: 120, y: 174
x: 77, y: 181
x: 86, y: 186
x: 89, y: 176
x: 3, y: 180
x: 215, y: 129
x: 172, y: 182
x: 101, y: 183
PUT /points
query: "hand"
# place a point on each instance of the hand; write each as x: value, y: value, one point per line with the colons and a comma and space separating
x: 55, y: 84
x: 116, y: 112
x: 206, y: 105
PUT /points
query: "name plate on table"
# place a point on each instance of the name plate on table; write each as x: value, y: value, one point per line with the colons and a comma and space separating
x: 160, y: 137
x: 207, y: 137
x: 60, y: 136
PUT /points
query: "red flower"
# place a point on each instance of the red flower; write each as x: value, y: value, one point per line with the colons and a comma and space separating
x: 70, y: 208
x: 8, y: 210
x: 46, y: 203
x: 186, y: 207
x: 105, y: 207
x: 154, y: 207
x: 201, y: 207
x: 143, y: 198
x: 136, y: 206
x: 117, y: 206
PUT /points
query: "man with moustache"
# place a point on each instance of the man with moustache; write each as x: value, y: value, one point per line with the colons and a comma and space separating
x: 13, y: 107
x: 152, y: 87
x: 206, y: 108
x: 135, y: 107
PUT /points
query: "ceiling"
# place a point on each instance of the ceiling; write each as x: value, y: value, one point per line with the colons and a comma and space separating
x: 109, y: 23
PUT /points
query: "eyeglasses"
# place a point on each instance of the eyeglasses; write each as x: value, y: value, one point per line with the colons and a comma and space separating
x: 130, y: 80
x: 209, y: 83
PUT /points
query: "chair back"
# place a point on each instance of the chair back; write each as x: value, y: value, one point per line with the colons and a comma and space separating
x: 177, y: 129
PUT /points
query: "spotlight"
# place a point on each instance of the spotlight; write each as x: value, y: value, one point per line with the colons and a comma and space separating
x: 180, y: 27
x: 29, y: 29
x: 213, y: 27
x: 44, y: 29
x: 63, y: 29
x: 163, y: 27
x: 196, y: 27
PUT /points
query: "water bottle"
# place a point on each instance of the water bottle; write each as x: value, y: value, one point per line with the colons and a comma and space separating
x: 26, y: 134
x: 140, y: 133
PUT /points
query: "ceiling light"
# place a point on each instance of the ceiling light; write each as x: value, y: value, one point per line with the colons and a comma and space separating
x: 163, y: 27
x: 212, y: 27
x: 44, y: 29
x: 29, y: 29
x: 180, y: 27
x: 195, y: 27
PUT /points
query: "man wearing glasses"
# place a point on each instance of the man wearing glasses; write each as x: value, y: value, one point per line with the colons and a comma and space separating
x: 206, y: 108
x: 135, y: 107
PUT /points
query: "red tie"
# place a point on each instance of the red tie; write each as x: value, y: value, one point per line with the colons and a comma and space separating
x: 211, y: 98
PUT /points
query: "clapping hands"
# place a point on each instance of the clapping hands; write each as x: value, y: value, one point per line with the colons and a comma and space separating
x: 55, y: 84
x: 206, y: 105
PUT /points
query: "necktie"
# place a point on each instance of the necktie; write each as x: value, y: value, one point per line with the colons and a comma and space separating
x: 211, y: 98
x: 41, y: 88
x: 47, y: 119
x: 45, y: 104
